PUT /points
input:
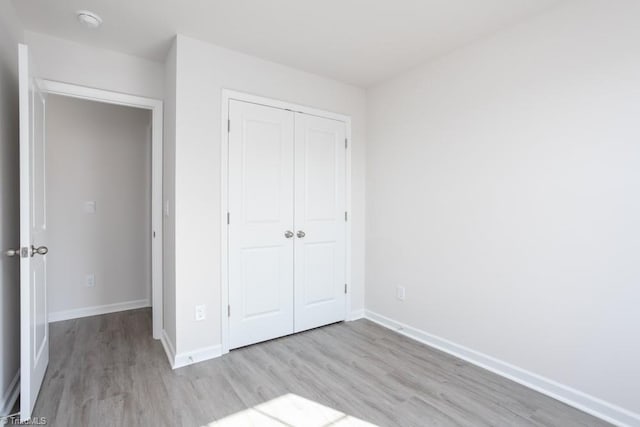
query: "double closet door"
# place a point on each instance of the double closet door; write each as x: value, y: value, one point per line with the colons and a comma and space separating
x: 287, y: 229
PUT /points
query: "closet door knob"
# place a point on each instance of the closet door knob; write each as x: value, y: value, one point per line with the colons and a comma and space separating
x: 301, y: 234
x: 288, y: 234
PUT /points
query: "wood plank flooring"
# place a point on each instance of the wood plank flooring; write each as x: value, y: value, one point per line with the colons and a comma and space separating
x: 108, y: 371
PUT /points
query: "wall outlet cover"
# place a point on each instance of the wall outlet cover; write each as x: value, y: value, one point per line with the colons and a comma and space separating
x: 90, y: 207
x: 201, y: 312
x: 90, y: 280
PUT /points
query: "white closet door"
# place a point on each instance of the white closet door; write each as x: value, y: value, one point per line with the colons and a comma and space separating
x: 320, y: 200
x: 261, y: 213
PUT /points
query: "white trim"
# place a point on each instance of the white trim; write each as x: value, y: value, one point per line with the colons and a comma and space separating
x: 168, y: 348
x: 587, y: 403
x: 188, y: 358
x: 196, y: 356
x: 347, y: 253
x: 224, y: 230
x: 99, y: 95
x: 10, y: 395
x: 97, y: 310
x: 156, y: 108
x: 228, y: 95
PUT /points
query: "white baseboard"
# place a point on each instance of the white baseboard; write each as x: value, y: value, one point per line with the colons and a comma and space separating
x: 77, y: 313
x: 168, y: 348
x: 589, y: 404
x: 356, y: 314
x: 188, y: 358
x: 200, y: 355
x: 10, y: 395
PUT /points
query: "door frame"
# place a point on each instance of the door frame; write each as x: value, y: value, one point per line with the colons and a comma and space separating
x: 227, y: 96
x: 156, y: 108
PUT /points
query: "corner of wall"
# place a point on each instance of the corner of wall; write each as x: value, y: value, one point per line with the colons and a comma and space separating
x: 168, y: 184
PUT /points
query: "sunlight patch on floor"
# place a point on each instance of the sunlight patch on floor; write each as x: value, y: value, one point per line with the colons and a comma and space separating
x: 293, y: 411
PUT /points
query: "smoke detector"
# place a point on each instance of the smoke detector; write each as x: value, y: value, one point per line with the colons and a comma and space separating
x: 88, y: 19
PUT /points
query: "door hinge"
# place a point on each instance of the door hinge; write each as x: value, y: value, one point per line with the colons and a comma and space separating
x: 346, y: 216
x: 229, y: 311
x: 228, y: 218
x: 345, y: 288
x: 345, y: 143
x: 228, y: 125
x: 24, y: 252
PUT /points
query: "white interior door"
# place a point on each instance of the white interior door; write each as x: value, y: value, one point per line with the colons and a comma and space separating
x: 260, y: 223
x: 34, y: 328
x: 320, y: 221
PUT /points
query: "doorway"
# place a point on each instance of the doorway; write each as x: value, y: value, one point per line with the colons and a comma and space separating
x: 98, y: 207
x: 154, y: 108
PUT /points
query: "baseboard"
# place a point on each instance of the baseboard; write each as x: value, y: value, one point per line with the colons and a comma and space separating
x: 77, y: 313
x: 10, y: 395
x: 168, y: 348
x: 589, y: 404
x: 188, y: 358
x: 356, y: 314
x: 200, y: 355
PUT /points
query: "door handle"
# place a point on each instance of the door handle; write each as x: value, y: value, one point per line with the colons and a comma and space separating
x: 41, y: 250
x: 301, y: 234
x: 12, y: 252
x: 288, y: 234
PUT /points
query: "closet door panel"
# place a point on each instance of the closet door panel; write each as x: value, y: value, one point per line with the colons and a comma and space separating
x: 320, y: 201
x: 261, y: 210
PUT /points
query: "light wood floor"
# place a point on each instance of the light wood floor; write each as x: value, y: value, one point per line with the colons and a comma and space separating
x: 107, y: 370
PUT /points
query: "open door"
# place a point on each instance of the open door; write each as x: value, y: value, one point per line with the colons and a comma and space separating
x: 34, y: 327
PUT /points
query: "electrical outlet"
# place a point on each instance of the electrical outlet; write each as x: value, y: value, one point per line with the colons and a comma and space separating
x: 400, y: 293
x: 90, y: 280
x: 166, y: 208
x: 90, y: 207
x: 201, y: 312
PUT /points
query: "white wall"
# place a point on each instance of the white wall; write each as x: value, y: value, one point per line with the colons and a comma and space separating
x: 70, y: 62
x: 203, y: 70
x: 169, y: 191
x: 10, y: 35
x: 502, y: 192
x: 102, y: 153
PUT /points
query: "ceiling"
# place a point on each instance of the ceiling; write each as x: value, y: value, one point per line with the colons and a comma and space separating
x: 361, y: 42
